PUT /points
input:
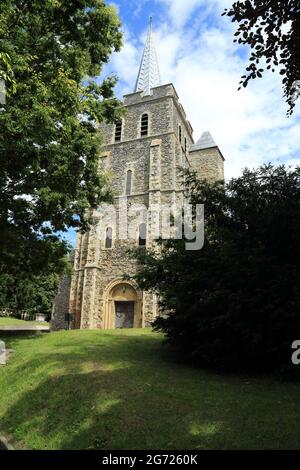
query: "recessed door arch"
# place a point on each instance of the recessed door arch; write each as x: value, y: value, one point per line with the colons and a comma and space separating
x: 122, y: 305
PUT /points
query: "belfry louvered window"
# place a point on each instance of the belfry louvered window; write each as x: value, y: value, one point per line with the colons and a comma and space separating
x: 144, y: 125
x: 108, y: 238
x: 179, y: 133
x: 118, y: 131
x: 128, y: 182
x: 142, y: 235
x: 185, y: 145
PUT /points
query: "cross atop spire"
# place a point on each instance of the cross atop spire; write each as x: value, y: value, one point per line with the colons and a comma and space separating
x: 149, y: 75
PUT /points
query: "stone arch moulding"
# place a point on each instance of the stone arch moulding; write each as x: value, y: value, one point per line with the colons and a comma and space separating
x: 114, y: 291
x: 129, y: 168
x: 139, y: 123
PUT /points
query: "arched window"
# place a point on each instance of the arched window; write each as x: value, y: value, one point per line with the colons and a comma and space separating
x: 108, y: 238
x: 144, y: 125
x: 179, y: 133
x: 142, y: 234
x: 128, y: 182
x: 185, y: 145
x: 118, y: 131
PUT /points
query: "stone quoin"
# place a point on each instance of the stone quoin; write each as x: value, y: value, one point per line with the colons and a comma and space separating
x: 141, y: 155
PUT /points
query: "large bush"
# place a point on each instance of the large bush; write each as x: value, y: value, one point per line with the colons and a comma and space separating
x: 235, y: 304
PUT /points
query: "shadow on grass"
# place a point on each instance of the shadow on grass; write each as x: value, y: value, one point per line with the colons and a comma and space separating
x: 123, y: 392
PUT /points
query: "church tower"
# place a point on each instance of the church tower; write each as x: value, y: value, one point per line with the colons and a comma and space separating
x: 141, y: 156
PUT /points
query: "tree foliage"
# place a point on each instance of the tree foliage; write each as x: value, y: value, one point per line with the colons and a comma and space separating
x: 30, y: 295
x: 49, y: 128
x: 235, y: 303
x: 272, y: 29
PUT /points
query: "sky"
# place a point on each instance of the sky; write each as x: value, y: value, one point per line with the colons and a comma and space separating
x: 196, y: 53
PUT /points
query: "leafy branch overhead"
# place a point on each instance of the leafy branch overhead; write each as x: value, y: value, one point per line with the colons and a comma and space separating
x: 50, y: 137
x: 272, y: 30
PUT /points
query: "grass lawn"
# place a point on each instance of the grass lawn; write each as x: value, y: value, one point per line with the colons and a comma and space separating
x: 121, y: 390
x: 9, y: 321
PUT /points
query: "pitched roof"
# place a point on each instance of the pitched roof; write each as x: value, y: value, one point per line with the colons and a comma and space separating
x: 149, y: 74
x: 205, y: 142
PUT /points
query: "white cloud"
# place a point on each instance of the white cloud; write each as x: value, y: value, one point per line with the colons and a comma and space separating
x: 201, y: 60
x: 180, y: 11
x: 125, y: 64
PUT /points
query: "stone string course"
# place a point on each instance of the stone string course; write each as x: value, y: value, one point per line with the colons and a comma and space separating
x: 154, y: 162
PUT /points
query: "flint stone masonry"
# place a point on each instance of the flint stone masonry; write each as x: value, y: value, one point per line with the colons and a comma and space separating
x: 148, y: 167
x: 154, y: 162
x: 101, y: 276
x: 208, y: 163
x: 61, y: 303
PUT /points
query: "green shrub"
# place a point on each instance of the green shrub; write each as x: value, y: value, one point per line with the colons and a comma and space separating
x: 235, y: 304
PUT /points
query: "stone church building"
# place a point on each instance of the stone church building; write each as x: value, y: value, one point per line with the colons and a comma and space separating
x: 141, y: 155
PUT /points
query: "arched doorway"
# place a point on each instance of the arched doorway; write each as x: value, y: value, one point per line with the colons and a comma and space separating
x: 122, y: 305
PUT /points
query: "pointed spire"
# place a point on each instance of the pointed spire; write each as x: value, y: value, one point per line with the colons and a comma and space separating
x: 149, y: 75
x: 205, y: 142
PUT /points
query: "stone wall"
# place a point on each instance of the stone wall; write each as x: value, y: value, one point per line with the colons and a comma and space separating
x: 154, y: 161
x: 61, y: 305
x: 208, y: 163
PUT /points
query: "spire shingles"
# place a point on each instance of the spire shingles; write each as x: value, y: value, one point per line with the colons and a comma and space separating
x: 149, y: 75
